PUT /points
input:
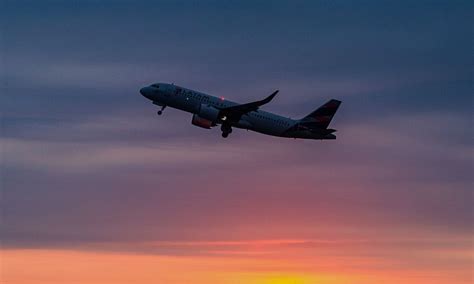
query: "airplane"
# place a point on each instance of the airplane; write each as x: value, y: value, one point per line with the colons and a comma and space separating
x: 209, y: 111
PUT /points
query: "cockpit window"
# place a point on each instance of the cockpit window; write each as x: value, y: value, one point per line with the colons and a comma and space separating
x: 156, y: 86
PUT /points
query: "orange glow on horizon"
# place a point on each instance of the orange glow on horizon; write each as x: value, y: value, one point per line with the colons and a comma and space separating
x: 28, y: 266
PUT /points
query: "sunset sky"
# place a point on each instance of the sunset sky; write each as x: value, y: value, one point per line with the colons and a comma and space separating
x: 97, y: 189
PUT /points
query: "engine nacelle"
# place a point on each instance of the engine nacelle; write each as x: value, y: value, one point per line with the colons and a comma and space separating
x: 202, y: 122
x: 207, y: 116
x: 209, y: 113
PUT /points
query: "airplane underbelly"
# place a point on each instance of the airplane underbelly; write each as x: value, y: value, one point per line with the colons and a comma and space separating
x: 267, y: 128
x: 243, y: 124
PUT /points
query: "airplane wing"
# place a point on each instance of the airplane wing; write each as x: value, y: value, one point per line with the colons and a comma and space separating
x: 234, y: 113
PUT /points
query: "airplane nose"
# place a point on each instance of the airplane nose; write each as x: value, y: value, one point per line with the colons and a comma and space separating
x: 145, y: 92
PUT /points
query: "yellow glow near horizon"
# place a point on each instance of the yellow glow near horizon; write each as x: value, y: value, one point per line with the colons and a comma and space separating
x: 287, y: 280
x: 311, y: 278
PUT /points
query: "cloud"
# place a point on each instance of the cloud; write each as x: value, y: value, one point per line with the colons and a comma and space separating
x: 72, y: 157
x: 395, y: 177
x: 329, y: 261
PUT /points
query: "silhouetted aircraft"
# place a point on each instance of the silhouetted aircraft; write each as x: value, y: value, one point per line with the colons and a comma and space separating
x: 209, y: 111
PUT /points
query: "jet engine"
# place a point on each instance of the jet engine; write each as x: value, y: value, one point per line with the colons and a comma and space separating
x: 207, y: 116
x: 202, y: 122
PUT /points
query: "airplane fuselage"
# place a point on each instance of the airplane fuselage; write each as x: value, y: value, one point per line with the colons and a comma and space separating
x: 194, y: 102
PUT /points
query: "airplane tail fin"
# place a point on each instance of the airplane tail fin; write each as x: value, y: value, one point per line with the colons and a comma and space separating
x: 321, y: 117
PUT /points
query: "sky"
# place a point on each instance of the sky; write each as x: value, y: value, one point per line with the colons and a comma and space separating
x: 96, y: 188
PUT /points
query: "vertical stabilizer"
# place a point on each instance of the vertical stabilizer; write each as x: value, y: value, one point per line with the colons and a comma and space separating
x: 321, y: 117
